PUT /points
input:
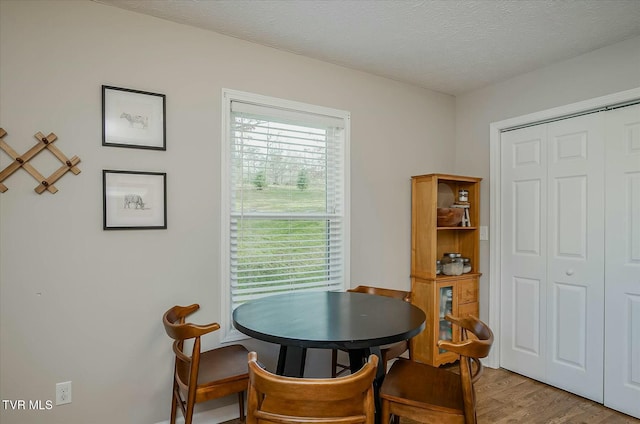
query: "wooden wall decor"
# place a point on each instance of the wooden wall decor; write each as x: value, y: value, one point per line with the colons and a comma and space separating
x: 22, y: 161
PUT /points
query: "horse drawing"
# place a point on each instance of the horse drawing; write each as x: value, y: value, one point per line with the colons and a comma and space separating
x: 134, y: 199
x: 139, y: 120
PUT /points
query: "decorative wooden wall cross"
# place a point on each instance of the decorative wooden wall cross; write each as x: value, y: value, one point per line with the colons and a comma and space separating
x: 22, y: 161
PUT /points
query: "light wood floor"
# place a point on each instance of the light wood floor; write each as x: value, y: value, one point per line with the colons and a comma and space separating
x: 506, y: 397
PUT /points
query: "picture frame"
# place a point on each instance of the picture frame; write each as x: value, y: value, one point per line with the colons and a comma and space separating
x: 134, y: 200
x: 133, y: 118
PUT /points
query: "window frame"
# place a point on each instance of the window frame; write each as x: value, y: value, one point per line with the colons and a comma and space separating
x: 228, y: 332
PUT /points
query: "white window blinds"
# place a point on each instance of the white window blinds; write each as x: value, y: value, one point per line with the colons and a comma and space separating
x: 287, y: 200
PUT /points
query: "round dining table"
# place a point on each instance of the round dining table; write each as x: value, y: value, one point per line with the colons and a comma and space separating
x: 355, y: 322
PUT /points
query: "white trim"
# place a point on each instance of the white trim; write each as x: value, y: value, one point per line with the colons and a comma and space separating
x: 285, y: 104
x: 495, y: 202
x: 346, y: 189
x: 227, y: 332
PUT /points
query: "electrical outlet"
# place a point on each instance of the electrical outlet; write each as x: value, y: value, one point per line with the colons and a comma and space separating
x: 63, y: 393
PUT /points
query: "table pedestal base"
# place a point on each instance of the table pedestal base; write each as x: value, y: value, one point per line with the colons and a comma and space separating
x: 291, y: 361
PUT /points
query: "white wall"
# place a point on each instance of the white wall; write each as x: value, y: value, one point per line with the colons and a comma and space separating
x: 605, y: 71
x: 82, y: 304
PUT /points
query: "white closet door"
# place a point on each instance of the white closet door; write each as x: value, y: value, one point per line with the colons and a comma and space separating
x: 622, y: 306
x: 575, y: 257
x: 523, y: 306
x: 552, y: 277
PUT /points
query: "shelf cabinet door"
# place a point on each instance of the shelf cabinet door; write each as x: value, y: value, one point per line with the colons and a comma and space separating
x: 444, y: 306
x: 457, y: 296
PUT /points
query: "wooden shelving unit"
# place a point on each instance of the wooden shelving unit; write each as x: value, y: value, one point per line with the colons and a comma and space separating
x: 436, y: 294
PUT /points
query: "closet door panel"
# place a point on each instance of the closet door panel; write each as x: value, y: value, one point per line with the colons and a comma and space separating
x: 622, y: 303
x: 526, y: 320
x: 576, y: 255
x: 569, y: 235
x: 524, y: 254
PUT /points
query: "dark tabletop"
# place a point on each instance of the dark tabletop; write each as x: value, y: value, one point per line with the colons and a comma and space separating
x: 329, y: 320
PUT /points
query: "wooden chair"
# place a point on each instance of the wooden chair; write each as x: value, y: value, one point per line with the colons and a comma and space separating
x: 283, y: 400
x: 388, y: 352
x: 206, y: 375
x: 432, y: 395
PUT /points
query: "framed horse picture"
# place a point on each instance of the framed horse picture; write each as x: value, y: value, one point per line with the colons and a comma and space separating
x: 134, y: 200
x: 133, y: 118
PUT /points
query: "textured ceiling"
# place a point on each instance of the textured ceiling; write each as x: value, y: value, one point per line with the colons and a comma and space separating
x: 452, y: 46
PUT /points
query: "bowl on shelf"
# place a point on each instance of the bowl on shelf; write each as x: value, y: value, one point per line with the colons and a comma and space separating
x: 449, y: 217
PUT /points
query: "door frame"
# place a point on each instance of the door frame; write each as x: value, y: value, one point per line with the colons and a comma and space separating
x: 495, y: 200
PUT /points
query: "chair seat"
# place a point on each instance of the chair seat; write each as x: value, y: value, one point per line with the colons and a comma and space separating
x: 394, y: 350
x: 423, y: 386
x: 223, y: 365
x: 219, y: 368
x: 387, y: 352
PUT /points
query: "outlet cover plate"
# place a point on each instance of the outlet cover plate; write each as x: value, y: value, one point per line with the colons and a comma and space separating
x: 63, y: 393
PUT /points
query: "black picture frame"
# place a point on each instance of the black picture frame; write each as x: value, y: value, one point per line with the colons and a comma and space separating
x: 133, y: 118
x: 134, y: 200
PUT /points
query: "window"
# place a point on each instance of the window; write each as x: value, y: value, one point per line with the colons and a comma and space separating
x: 285, y: 199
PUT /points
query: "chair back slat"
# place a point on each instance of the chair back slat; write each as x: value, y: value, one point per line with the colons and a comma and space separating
x: 278, y: 399
x: 380, y: 291
x: 477, y: 347
x: 268, y: 417
x: 175, y: 327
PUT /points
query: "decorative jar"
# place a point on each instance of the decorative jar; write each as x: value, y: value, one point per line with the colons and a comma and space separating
x: 451, y: 264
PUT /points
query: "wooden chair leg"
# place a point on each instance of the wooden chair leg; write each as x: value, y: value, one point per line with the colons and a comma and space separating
x: 188, y: 416
x: 384, y: 412
x: 241, y: 404
x: 174, y: 403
